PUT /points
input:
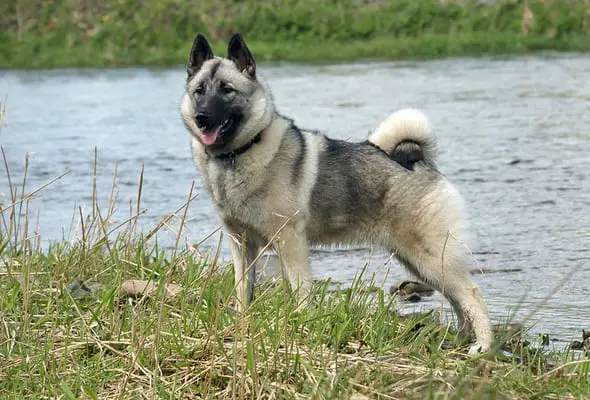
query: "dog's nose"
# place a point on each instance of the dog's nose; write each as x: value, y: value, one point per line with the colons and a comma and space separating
x: 202, y: 119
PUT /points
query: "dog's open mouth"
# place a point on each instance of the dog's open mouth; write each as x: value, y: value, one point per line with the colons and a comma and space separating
x: 227, y: 124
x: 209, y: 136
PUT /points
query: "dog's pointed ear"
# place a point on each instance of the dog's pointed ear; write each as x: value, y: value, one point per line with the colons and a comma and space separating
x: 200, y: 53
x: 238, y: 52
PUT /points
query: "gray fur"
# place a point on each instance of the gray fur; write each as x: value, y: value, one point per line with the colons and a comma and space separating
x: 293, y: 189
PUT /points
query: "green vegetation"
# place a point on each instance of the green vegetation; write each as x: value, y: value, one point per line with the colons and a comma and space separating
x: 91, y: 340
x: 60, y: 33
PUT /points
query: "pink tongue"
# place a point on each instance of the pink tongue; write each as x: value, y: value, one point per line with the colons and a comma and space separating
x: 208, y: 137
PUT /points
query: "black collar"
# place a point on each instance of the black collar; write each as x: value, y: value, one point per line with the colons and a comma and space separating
x: 240, y: 150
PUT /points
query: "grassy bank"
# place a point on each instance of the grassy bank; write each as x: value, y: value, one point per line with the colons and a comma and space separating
x: 71, y: 327
x: 61, y: 33
x: 62, y: 339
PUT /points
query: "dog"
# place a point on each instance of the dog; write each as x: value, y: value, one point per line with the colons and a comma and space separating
x: 274, y: 184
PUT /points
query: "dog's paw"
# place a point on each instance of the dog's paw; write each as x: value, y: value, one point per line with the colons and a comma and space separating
x: 478, y: 348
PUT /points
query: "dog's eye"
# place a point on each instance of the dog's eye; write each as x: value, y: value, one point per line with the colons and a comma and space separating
x: 225, y: 88
x: 200, y: 89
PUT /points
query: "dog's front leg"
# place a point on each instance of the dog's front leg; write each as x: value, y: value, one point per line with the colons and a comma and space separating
x: 292, y: 246
x: 244, y: 269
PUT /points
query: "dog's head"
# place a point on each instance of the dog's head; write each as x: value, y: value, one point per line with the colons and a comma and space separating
x: 225, y: 104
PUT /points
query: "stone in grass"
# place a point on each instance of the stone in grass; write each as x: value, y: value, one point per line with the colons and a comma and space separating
x: 411, y: 291
x: 78, y: 289
x: 405, y: 288
x: 413, y: 298
x: 20, y: 278
x: 584, y: 344
x: 138, y: 288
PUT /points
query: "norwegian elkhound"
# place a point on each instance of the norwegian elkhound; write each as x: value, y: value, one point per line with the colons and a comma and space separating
x: 274, y: 184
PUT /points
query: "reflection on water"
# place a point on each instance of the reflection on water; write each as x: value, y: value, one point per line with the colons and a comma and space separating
x: 513, y: 136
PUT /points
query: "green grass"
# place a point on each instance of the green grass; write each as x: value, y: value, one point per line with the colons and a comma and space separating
x: 381, y: 48
x: 344, y: 344
x: 69, y: 33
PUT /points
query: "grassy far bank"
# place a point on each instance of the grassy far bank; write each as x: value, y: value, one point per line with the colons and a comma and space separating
x: 68, y: 329
x: 63, y: 33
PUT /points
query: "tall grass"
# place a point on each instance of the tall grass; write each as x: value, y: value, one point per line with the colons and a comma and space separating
x: 57, y: 33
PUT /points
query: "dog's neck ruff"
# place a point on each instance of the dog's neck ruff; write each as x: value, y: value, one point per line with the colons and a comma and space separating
x: 240, y: 150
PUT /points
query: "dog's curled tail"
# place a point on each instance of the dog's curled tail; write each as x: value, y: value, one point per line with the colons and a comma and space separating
x: 406, y: 137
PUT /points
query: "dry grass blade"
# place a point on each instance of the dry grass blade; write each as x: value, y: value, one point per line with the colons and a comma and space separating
x: 32, y: 194
x: 167, y: 218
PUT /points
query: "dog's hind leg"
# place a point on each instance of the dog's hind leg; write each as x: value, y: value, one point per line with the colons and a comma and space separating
x: 463, y: 323
x: 452, y: 280
x: 427, y: 245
